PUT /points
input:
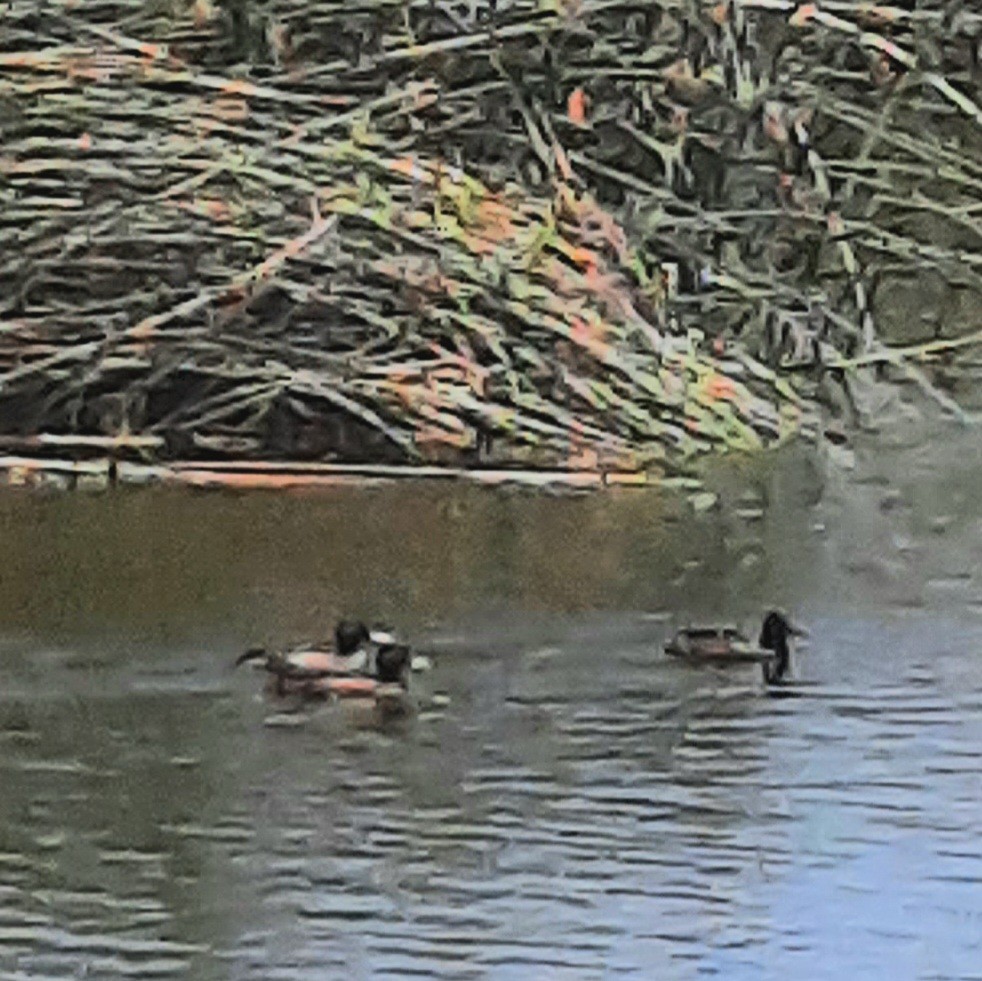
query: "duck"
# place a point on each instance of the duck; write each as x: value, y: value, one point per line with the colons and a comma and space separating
x: 729, y: 645
x: 361, y: 662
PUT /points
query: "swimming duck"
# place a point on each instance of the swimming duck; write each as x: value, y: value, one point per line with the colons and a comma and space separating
x: 728, y: 645
x: 360, y: 661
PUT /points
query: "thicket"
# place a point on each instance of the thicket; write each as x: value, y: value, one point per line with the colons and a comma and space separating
x: 539, y: 232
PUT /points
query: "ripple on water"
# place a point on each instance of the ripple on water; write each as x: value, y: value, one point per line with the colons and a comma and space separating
x: 579, y: 808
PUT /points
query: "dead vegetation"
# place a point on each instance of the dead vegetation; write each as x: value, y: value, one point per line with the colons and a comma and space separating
x: 561, y: 233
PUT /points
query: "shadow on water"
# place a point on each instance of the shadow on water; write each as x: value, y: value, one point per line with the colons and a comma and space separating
x: 576, y: 806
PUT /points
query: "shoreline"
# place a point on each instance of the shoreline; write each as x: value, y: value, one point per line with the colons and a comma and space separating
x: 21, y: 471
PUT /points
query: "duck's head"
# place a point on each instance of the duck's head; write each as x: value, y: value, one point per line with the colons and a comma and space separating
x: 253, y: 654
x: 349, y: 635
x: 776, y: 630
x: 393, y: 663
x: 774, y: 637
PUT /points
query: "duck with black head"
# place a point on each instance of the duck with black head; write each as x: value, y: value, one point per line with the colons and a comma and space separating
x: 729, y: 645
x: 348, y: 667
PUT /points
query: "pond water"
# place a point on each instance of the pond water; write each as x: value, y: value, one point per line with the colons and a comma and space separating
x: 568, y: 802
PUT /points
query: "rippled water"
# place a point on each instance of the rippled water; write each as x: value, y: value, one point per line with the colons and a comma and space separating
x: 568, y: 803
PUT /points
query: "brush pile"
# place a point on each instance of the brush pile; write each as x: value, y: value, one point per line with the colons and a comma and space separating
x: 562, y: 233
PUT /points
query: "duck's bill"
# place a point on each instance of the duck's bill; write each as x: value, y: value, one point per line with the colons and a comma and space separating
x: 798, y: 631
x: 253, y: 654
x: 381, y: 637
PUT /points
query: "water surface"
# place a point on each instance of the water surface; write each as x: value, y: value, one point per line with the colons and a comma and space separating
x: 574, y: 806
